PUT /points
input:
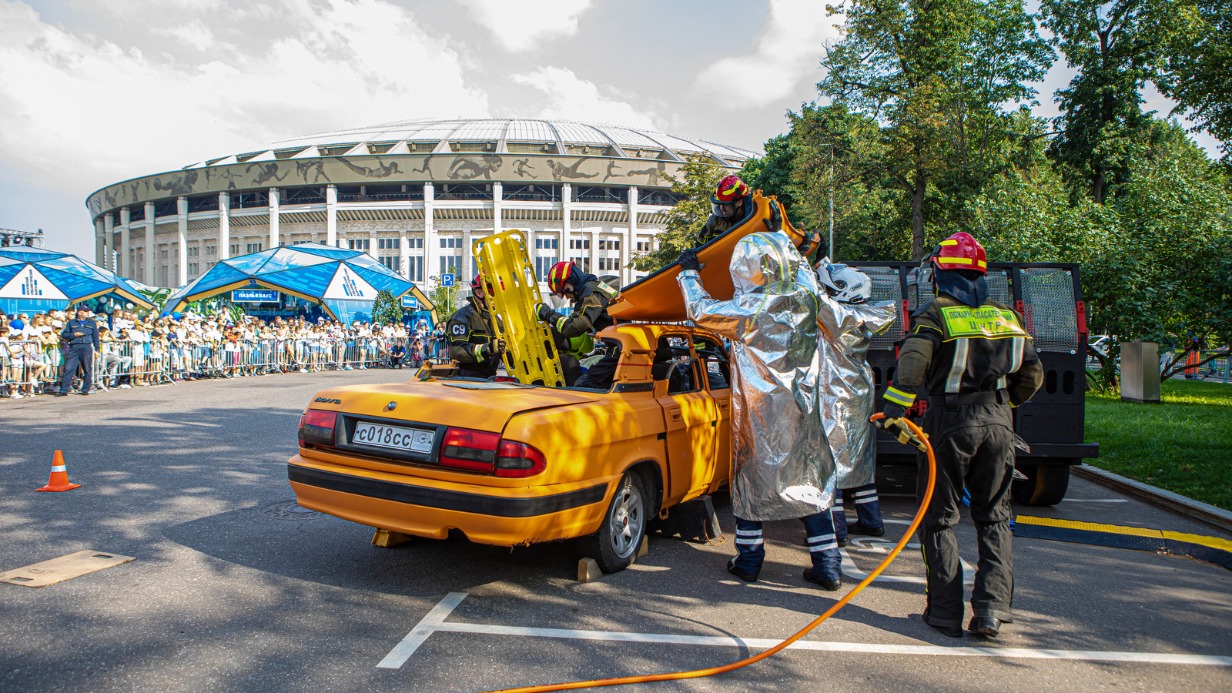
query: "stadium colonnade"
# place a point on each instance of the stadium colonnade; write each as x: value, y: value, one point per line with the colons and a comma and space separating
x: 411, y: 194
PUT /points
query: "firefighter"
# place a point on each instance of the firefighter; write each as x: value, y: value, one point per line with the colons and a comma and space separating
x: 782, y: 467
x: 575, y: 332
x: 849, y: 319
x: 976, y: 361
x: 470, y: 335
x: 730, y: 204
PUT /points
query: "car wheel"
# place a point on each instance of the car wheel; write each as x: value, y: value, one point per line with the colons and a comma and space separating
x: 1045, y: 484
x: 624, y: 525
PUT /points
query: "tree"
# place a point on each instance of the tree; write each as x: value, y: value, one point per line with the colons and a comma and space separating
x: 1197, y: 62
x: 936, y: 72
x: 699, y: 178
x: 445, y: 298
x: 1113, y: 46
x: 771, y: 173
x: 386, y: 309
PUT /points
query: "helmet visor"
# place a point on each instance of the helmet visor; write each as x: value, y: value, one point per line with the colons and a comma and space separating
x: 724, y: 210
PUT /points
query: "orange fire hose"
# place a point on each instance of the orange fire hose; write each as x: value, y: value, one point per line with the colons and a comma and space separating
x: 920, y: 440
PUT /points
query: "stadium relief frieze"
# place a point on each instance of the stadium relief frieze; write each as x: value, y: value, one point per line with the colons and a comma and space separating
x: 510, y: 169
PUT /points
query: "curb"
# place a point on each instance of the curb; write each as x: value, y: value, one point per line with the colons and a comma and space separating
x: 1210, y: 549
x: 1196, y: 510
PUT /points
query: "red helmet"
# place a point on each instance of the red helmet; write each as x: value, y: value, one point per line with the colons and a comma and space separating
x: 479, y: 287
x: 562, y: 273
x: 961, y: 252
x: 730, y: 189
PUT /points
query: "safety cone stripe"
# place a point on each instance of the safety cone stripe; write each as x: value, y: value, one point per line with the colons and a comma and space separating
x: 59, y: 468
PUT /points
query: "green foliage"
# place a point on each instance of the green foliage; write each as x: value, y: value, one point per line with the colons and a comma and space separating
x: 386, y: 309
x: 1196, y: 63
x: 771, y: 173
x: 699, y: 177
x: 1182, y: 447
x: 937, y: 74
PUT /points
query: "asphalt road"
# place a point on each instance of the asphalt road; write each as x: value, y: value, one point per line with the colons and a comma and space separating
x: 234, y: 588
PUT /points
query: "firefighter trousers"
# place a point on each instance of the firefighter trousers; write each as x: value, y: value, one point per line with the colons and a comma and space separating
x: 974, y: 448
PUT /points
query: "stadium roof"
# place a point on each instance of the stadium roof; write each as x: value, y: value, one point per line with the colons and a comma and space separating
x: 493, y: 135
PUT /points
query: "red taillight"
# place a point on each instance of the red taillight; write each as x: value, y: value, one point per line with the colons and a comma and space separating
x: 467, y: 449
x: 519, y: 460
x: 316, y: 427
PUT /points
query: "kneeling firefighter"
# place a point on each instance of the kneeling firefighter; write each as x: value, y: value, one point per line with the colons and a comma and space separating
x: 782, y: 466
x: 574, y: 332
x: 976, y: 361
x: 469, y: 332
x: 848, y: 322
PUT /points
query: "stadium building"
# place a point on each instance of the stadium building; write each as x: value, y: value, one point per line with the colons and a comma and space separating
x: 411, y: 194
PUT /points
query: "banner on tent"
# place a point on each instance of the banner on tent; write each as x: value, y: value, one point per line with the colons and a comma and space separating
x: 254, y: 296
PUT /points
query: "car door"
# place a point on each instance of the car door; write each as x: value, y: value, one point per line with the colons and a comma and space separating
x: 690, y: 419
x: 712, y: 358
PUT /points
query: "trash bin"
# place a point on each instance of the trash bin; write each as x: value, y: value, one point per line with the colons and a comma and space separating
x: 1140, y: 372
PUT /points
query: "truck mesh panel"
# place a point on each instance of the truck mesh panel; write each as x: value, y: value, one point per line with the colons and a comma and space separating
x: 998, y: 288
x: 1048, y: 307
x: 886, y: 287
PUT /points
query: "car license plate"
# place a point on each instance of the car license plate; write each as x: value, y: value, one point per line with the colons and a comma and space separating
x: 396, y: 437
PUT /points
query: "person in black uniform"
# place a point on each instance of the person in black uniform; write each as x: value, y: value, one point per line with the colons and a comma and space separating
x: 80, y: 337
x: 469, y: 334
x: 976, y: 361
x: 730, y: 205
x: 589, y: 315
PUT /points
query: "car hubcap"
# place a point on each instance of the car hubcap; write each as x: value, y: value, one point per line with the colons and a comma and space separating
x: 626, y: 522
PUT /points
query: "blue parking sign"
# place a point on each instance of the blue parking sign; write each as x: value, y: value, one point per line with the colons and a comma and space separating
x: 446, y: 280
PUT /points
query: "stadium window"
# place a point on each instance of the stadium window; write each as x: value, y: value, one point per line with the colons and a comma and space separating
x: 392, y: 263
x: 452, y: 242
x: 450, y: 264
x: 579, y: 244
x: 547, y: 244
x: 413, y: 242
x: 359, y: 244
x: 414, y: 270
x: 543, y: 265
x: 256, y: 247
x: 235, y: 249
x: 643, y: 246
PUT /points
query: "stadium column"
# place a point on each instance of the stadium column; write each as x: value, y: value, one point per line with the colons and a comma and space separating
x: 429, y: 244
x: 630, y: 242
x: 100, y: 243
x: 498, y: 191
x: 566, y: 202
x: 465, y: 261
x: 150, y: 253
x: 181, y: 238
x: 404, y: 256
x: 124, y: 263
x: 274, y: 230
x: 331, y: 215
x: 109, y: 241
x: 224, y: 226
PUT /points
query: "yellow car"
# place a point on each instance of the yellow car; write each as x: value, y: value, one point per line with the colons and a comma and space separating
x: 510, y: 464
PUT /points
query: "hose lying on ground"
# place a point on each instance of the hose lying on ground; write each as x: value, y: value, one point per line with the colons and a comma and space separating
x: 701, y: 673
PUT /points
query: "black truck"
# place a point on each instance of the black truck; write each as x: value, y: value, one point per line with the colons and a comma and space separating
x: 1049, y: 297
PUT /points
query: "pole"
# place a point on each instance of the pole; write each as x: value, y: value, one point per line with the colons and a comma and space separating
x: 831, y: 247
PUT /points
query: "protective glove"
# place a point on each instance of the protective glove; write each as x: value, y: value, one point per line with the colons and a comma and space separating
x: 893, y: 411
x: 498, y: 346
x: 688, y: 260
x: 895, y: 423
x: 775, y: 222
x: 544, y: 313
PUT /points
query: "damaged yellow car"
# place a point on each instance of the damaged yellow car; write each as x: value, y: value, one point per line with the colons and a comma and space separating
x: 508, y: 464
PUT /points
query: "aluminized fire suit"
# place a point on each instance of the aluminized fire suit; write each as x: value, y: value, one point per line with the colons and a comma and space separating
x: 976, y: 361
x: 782, y: 467
x: 847, y: 402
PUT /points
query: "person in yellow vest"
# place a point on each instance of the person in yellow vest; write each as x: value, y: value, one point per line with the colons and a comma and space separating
x: 976, y: 361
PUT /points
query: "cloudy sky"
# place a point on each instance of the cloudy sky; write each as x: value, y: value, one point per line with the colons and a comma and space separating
x: 93, y: 92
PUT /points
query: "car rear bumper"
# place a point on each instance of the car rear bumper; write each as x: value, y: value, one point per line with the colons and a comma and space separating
x: 431, y: 508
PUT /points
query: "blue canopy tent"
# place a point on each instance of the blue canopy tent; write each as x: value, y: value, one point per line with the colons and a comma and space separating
x: 343, y: 282
x: 36, y: 279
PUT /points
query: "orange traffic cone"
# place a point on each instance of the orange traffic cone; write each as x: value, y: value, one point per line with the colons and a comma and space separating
x: 59, y: 476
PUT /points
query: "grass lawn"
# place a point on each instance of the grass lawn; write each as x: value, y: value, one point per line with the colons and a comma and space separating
x: 1183, y: 445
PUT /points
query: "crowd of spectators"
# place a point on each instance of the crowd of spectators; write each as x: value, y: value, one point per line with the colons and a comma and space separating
x: 137, y: 349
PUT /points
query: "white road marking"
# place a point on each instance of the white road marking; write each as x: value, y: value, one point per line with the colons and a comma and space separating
x: 882, y: 546
x: 434, y: 622
x: 1095, y: 500
x: 429, y: 625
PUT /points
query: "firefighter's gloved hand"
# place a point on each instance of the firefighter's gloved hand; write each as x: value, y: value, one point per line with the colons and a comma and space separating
x: 498, y: 346
x: 484, y: 352
x: 775, y: 222
x: 892, y: 411
x: 544, y: 312
x: 688, y: 260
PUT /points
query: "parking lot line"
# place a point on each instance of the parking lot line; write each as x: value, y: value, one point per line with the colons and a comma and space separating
x: 435, y: 622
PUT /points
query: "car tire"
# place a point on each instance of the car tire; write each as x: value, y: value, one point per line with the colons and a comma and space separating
x: 616, y: 543
x: 1045, y: 484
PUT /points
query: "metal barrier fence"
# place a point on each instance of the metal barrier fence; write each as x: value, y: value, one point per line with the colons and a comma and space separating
x: 1215, y: 370
x: 29, y: 367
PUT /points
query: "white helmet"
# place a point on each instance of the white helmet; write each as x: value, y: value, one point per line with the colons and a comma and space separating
x: 845, y: 284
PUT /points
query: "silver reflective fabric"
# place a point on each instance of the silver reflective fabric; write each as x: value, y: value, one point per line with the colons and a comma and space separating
x: 847, y: 329
x: 782, y: 467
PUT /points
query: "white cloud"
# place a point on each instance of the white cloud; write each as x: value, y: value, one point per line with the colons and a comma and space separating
x: 788, y: 56
x: 81, y: 111
x: 571, y: 98
x: 520, y: 25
